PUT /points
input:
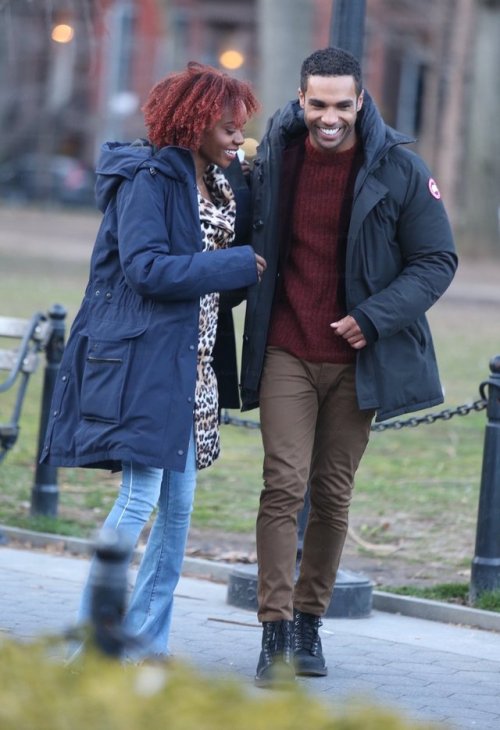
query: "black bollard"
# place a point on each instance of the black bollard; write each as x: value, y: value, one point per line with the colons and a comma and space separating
x: 108, y: 582
x: 485, y: 572
x: 352, y: 593
x: 45, y: 492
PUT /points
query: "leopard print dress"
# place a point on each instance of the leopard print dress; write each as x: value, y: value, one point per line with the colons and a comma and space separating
x: 217, y: 218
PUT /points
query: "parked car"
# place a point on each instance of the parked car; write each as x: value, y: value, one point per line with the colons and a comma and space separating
x: 62, y: 179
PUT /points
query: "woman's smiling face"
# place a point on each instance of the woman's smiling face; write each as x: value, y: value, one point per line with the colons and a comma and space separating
x: 220, y: 144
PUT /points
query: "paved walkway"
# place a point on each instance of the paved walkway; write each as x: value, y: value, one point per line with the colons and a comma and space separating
x: 425, y: 669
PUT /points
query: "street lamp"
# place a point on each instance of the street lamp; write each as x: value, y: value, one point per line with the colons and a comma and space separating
x: 62, y: 33
x: 231, y: 59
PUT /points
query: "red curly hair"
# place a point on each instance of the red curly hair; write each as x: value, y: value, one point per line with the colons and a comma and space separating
x: 183, y: 105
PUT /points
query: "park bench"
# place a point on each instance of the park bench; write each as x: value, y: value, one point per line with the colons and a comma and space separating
x: 21, y: 342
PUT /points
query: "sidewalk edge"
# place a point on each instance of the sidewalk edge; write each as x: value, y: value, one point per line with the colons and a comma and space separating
x: 220, y: 572
x: 436, y: 611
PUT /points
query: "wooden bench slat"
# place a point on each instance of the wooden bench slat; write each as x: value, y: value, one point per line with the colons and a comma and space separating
x: 13, y: 326
x: 17, y: 327
x: 8, y: 358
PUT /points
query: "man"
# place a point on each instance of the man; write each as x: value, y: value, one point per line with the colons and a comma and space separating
x: 358, y: 247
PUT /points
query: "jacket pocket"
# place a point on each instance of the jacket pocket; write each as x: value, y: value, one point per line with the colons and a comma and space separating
x: 103, y: 380
x: 416, y: 331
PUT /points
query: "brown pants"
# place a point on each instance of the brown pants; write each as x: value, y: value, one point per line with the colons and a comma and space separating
x: 312, y: 431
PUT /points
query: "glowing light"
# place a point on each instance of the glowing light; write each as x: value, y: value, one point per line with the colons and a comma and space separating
x: 231, y: 59
x: 62, y: 33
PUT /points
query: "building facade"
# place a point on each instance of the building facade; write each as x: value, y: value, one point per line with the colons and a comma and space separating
x: 423, y: 63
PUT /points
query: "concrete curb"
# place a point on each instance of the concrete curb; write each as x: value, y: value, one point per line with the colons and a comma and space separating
x: 30, y: 538
x: 436, y: 611
x: 81, y: 547
x: 220, y: 572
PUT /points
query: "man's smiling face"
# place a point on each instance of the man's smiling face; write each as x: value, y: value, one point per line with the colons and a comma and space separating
x: 331, y: 107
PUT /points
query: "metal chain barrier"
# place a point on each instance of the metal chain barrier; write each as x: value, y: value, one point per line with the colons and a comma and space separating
x: 232, y: 421
x: 412, y: 422
x: 443, y: 415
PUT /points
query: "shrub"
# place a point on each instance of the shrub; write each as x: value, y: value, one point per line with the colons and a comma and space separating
x: 38, y: 692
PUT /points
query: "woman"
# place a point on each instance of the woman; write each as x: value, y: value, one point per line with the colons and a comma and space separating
x: 136, y: 390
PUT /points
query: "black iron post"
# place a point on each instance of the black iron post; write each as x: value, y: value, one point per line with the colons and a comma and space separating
x: 108, y: 582
x: 347, y: 32
x: 485, y: 573
x: 347, y: 28
x: 45, y: 493
x: 352, y: 596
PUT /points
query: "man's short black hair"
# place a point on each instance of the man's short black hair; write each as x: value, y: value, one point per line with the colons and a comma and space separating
x: 331, y: 62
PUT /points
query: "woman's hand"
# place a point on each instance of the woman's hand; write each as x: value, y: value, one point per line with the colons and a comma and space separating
x: 261, y: 265
x: 246, y: 168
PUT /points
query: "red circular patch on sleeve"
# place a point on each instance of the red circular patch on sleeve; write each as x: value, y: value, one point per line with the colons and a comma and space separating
x: 433, y: 189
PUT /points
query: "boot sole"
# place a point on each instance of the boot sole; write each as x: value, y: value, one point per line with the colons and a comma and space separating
x: 311, y: 672
x: 274, y: 682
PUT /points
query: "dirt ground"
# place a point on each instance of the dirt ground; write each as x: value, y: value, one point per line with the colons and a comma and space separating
x: 396, y: 569
x: 56, y: 235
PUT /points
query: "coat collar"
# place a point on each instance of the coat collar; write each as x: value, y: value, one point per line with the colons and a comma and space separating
x: 376, y: 136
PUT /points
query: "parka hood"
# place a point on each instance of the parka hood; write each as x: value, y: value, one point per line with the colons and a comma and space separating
x: 120, y: 161
x: 377, y: 136
x: 291, y: 120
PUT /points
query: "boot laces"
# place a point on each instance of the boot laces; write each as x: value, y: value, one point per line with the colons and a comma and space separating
x: 276, y: 639
x: 307, y: 632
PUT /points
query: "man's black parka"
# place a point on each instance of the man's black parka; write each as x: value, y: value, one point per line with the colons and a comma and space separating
x: 400, y: 258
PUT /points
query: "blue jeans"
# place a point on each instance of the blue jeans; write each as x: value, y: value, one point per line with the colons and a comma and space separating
x: 149, y: 612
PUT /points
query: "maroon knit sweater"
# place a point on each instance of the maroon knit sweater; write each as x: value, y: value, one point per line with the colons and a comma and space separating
x: 312, y: 291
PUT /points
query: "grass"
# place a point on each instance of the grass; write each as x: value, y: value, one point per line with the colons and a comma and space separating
x: 450, y: 593
x: 416, y: 489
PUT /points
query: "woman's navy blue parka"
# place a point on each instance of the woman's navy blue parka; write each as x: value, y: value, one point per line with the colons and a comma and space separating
x: 126, y: 384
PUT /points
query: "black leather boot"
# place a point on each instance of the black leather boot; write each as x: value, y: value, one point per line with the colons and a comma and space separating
x: 275, y: 667
x: 307, y: 651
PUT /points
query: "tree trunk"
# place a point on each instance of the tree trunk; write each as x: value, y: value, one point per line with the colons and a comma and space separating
x: 479, y: 228
x: 284, y: 32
